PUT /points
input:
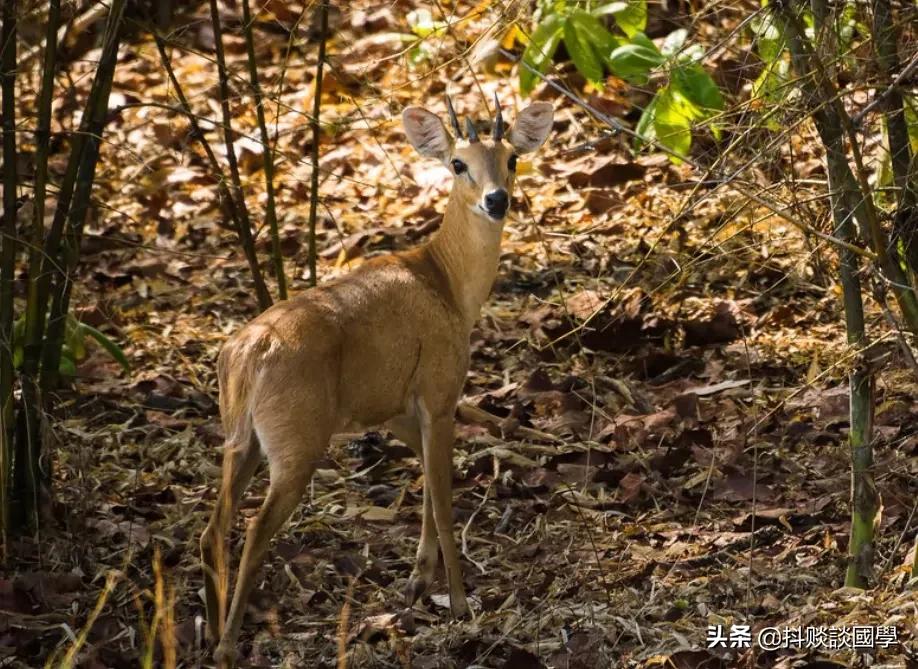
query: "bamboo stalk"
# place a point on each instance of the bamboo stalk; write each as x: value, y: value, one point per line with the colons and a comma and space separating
x: 316, y: 131
x: 7, y: 253
x: 244, y: 225
x: 864, y: 495
x: 834, y: 124
x: 40, y: 294
x: 844, y: 194
x: 30, y: 410
x: 267, y: 151
x: 885, y: 40
x: 76, y: 216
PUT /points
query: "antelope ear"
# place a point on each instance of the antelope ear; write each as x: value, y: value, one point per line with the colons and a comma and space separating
x: 532, y: 127
x: 427, y: 133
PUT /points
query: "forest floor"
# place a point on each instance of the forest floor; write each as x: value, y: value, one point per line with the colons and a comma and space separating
x: 652, y: 438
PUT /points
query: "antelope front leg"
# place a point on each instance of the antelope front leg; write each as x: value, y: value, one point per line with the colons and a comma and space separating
x: 408, y: 429
x: 426, y: 562
x: 437, y: 433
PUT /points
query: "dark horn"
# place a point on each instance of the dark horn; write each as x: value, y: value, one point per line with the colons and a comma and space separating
x: 470, y: 129
x: 453, y: 121
x: 498, y: 133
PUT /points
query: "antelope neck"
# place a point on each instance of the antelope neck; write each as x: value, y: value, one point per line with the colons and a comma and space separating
x: 467, y: 250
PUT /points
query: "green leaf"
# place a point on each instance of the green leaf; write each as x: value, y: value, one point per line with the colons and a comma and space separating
x: 73, y: 337
x: 699, y: 88
x: 582, y: 54
x: 769, y: 38
x: 632, y: 62
x: 67, y: 366
x: 642, y: 40
x: 771, y: 86
x: 632, y: 19
x: 911, y: 120
x: 769, y: 90
x: 611, y: 8
x: 541, y: 48
x: 595, y: 33
x: 672, y: 124
x: 423, y: 25
x: 693, y: 53
x: 845, y: 26
x: 417, y: 55
x: 111, y: 347
x: 674, y: 42
x: 644, y: 129
x: 809, y: 22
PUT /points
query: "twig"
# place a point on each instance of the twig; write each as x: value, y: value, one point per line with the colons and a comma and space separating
x: 270, y: 208
x: 95, y: 12
x: 473, y: 414
x: 465, y: 529
x: 880, y: 98
x: 616, y: 125
x: 244, y: 225
x: 197, y: 132
x: 316, y: 130
x: 834, y: 124
x: 895, y: 548
x: 907, y: 353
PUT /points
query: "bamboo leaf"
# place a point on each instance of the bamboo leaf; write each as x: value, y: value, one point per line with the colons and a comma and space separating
x: 73, y: 338
x: 111, y: 347
x: 911, y: 121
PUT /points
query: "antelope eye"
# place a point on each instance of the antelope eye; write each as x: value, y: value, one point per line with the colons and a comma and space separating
x: 511, y: 164
x: 458, y: 166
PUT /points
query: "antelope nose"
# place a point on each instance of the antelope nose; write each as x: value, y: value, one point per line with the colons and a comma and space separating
x: 496, y: 203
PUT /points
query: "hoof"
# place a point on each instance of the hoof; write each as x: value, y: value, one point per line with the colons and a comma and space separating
x: 417, y: 586
x: 459, y: 607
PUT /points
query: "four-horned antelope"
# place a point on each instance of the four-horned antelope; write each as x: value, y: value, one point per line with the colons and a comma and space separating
x: 387, y: 344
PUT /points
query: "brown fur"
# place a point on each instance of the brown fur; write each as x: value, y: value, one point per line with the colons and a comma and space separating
x: 384, y: 345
